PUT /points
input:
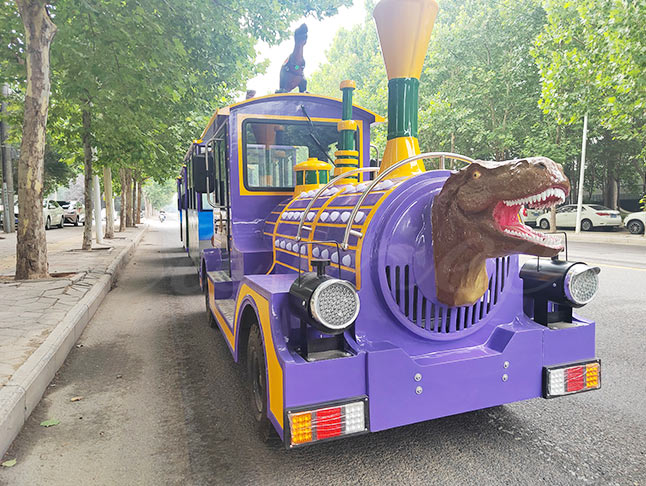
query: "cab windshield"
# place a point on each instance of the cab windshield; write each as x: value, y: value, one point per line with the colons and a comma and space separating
x: 273, y: 149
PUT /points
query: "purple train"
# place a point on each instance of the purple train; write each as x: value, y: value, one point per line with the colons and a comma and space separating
x: 364, y: 296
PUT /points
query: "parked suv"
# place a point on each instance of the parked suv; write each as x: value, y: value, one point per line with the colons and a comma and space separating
x: 74, y: 211
x: 592, y: 216
x: 635, y: 222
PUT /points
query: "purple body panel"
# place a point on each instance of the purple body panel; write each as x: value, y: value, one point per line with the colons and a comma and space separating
x: 415, y: 358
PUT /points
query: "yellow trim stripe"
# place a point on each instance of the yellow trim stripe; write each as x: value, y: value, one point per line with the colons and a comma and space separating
x: 274, y: 370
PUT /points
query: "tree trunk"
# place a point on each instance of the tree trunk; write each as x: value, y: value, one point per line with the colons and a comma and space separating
x: 124, y: 198
x: 133, y: 204
x: 138, y: 218
x: 109, y: 208
x: 31, y: 247
x: 553, y: 219
x: 129, y: 222
x: 86, y: 136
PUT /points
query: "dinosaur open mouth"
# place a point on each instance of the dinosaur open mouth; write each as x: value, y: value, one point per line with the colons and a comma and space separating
x: 506, y: 215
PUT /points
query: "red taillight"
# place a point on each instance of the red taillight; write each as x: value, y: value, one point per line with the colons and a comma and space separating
x: 328, y: 423
x: 575, y: 379
x: 603, y: 214
x: 524, y: 211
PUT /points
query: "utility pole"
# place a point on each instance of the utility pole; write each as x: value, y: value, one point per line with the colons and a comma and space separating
x: 579, y: 203
x: 97, y: 211
x: 7, y: 167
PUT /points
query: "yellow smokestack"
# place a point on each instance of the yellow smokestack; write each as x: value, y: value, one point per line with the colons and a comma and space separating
x: 404, y: 28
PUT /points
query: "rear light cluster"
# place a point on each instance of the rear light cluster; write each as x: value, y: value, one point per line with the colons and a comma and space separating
x: 326, y: 423
x: 565, y: 380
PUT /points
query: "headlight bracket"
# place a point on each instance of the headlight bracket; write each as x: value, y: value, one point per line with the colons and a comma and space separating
x: 548, y: 288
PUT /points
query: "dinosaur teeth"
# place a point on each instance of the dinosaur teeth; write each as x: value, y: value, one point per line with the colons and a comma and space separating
x: 550, y: 241
x: 548, y: 198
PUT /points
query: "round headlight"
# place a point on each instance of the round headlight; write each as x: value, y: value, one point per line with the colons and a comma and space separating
x: 335, y: 304
x: 581, y: 283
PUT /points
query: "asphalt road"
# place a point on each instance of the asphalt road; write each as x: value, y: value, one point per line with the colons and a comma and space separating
x: 163, y: 403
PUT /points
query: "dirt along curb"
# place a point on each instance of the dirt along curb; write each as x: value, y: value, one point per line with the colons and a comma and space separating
x: 20, y: 395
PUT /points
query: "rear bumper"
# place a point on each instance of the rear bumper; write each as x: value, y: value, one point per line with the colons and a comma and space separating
x: 404, y: 389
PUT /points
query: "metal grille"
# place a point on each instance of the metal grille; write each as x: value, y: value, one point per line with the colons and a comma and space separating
x: 438, y: 318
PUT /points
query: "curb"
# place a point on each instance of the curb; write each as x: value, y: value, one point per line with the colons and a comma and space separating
x: 23, y: 391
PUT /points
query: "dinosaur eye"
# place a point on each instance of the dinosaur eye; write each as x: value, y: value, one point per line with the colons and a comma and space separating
x: 477, y: 174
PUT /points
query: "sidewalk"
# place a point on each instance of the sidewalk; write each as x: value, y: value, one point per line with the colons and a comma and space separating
x: 41, y: 320
x: 606, y: 237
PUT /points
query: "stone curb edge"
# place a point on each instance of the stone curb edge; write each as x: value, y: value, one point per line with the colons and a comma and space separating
x: 23, y: 391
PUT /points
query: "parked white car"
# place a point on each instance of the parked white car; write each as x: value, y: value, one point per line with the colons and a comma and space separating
x: 53, y: 214
x: 530, y: 216
x: 635, y: 222
x: 592, y: 216
x: 74, y: 212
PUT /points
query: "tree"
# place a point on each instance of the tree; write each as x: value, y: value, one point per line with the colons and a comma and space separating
x: 31, y: 248
x: 590, y: 55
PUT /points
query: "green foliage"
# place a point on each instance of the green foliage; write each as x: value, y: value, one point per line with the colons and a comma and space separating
x: 57, y: 172
x: 160, y: 195
x: 149, y: 72
x: 591, y: 57
x: 50, y: 423
x: 510, y: 78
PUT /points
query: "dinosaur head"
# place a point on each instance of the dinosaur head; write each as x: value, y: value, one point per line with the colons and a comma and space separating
x: 300, y: 34
x: 475, y: 217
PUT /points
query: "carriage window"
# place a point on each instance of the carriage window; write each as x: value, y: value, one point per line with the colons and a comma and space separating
x: 273, y: 149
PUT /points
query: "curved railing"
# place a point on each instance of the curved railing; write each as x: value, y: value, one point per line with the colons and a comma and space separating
x: 353, y: 172
x: 429, y: 155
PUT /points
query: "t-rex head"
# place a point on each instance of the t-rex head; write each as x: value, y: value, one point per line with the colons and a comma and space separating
x: 300, y: 34
x: 475, y: 217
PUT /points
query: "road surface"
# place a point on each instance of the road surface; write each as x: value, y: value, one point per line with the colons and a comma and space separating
x: 163, y: 403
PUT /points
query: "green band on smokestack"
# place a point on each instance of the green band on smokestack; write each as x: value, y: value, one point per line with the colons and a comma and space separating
x: 347, y: 136
x: 403, y: 101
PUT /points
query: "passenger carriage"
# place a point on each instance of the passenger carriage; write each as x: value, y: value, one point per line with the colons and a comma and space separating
x: 343, y: 287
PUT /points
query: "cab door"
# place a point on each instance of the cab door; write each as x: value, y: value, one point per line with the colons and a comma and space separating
x: 222, y: 196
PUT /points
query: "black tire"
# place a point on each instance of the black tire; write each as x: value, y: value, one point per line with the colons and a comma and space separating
x: 76, y: 221
x: 635, y: 227
x: 257, y: 382
x: 586, y: 225
x: 544, y: 224
x: 62, y: 223
x: 48, y: 223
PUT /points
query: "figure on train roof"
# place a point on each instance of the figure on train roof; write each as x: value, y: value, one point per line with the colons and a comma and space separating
x: 291, y: 74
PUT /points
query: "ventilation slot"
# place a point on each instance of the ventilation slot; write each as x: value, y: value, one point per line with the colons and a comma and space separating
x: 439, y: 318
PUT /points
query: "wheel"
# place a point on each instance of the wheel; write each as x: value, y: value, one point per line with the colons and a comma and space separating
x: 62, y: 223
x: 586, y: 225
x: 48, y: 223
x: 257, y: 381
x: 544, y: 224
x: 76, y: 221
x: 635, y: 226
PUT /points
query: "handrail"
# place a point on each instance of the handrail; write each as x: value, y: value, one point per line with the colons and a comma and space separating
x: 329, y: 184
x: 382, y: 176
x: 206, y: 163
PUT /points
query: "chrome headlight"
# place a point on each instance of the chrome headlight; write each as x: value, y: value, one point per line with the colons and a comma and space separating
x: 581, y: 283
x: 335, y: 304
